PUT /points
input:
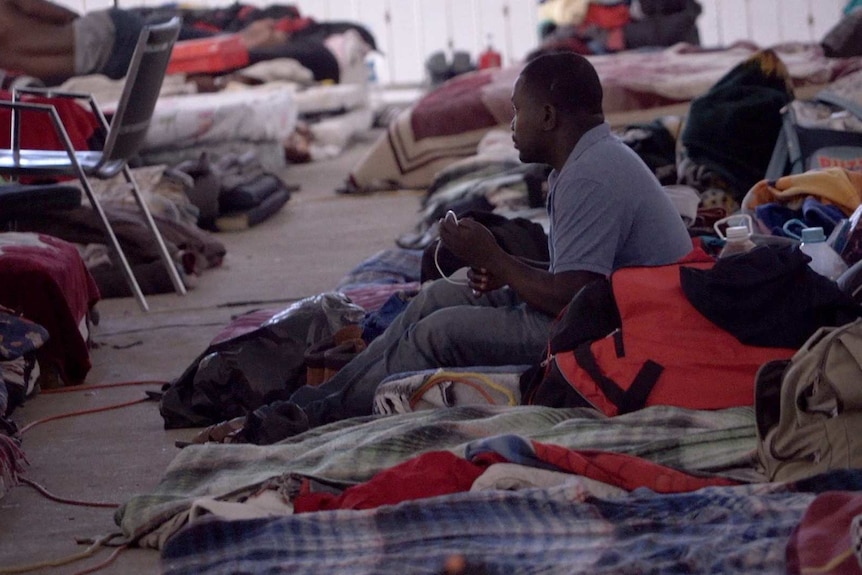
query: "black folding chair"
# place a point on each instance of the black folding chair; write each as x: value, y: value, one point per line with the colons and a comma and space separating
x: 124, y: 136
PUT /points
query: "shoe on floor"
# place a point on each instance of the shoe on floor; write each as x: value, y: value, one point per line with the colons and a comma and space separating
x: 219, y: 432
x: 274, y: 422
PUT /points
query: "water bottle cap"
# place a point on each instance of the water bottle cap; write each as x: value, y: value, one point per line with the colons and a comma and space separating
x: 737, y: 233
x: 722, y: 226
x: 812, y: 235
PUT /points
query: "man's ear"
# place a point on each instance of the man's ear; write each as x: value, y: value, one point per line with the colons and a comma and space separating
x: 549, y: 117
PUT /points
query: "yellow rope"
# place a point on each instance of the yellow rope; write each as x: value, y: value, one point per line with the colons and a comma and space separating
x: 464, y: 377
x: 88, y: 552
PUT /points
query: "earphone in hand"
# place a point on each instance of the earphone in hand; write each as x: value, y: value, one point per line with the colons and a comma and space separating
x: 452, y: 217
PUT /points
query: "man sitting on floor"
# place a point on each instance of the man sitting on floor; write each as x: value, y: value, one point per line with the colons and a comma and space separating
x: 607, y: 211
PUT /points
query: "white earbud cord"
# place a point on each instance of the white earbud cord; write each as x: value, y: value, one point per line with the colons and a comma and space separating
x: 440, y: 270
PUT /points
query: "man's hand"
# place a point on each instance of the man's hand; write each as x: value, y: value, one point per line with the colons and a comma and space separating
x: 481, y: 280
x: 469, y: 241
x: 492, y: 268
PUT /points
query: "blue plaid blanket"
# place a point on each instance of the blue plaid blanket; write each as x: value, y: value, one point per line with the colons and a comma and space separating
x: 736, y: 530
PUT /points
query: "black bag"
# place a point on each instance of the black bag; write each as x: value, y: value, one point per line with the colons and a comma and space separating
x: 257, y: 360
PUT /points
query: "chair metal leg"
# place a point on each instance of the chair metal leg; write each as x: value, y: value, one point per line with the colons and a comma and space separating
x: 115, y: 243
x: 94, y: 202
x: 179, y: 286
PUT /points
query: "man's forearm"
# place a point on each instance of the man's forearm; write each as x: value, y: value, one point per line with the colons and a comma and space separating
x: 539, y: 265
x: 539, y: 288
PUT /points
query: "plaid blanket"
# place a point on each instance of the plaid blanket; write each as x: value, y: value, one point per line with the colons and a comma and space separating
x: 741, y: 529
x: 348, y: 452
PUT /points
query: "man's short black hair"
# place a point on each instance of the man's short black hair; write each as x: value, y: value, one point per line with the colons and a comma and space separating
x: 566, y: 80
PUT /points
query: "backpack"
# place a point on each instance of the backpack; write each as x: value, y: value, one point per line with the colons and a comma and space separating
x: 806, y: 143
x: 809, y: 408
x: 635, y: 340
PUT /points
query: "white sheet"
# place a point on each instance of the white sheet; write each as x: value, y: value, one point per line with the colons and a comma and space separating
x: 266, y: 113
x: 331, y: 98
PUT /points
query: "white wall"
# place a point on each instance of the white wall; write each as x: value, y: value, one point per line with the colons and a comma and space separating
x: 407, y: 31
x: 767, y: 22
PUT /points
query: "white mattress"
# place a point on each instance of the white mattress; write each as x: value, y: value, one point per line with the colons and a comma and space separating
x: 270, y: 154
x: 266, y: 113
x: 331, y: 98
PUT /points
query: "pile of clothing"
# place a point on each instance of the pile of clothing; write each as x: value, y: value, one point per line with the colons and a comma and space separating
x: 602, y: 26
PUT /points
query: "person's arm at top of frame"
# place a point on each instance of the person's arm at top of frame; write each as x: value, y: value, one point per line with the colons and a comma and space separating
x: 43, y: 10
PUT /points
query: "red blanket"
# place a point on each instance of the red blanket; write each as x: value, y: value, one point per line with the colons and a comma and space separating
x: 438, y: 473
x: 37, y: 131
x: 45, y: 279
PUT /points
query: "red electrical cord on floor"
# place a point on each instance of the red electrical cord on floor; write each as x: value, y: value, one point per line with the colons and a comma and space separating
x: 44, y: 492
x: 101, y: 386
x: 36, y: 422
x: 33, y: 424
x: 58, y: 499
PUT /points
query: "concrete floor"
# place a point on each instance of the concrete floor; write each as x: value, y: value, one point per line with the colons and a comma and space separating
x: 109, y: 456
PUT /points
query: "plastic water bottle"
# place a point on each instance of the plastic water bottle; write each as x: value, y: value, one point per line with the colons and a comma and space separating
x: 737, y: 234
x: 737, y: 241
x: 824, y: 260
